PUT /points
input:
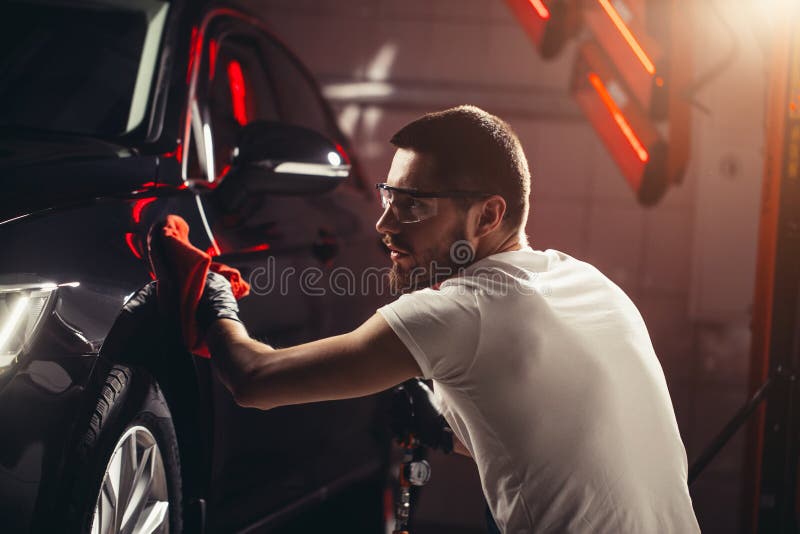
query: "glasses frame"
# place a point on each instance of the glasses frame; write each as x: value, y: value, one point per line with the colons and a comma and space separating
x: 432, y: 194
x: 416, y: 193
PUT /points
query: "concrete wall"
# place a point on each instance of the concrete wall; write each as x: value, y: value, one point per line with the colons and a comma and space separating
x: 687, y: 263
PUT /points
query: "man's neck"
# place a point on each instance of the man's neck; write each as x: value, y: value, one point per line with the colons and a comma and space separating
x: 511, y: 242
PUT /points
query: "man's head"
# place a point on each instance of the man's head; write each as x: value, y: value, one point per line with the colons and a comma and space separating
x: 473, y: 156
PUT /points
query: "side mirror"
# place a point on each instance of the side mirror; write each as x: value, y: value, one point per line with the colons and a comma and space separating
x: 277, y: 158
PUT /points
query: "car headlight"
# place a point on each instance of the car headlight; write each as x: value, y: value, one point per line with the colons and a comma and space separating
x: 22, y: 308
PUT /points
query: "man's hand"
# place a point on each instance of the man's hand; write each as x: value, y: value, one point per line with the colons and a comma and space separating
x: 142, y: 301
x: 414, y: 411
x: 217, y: 302
x: 137, y: 328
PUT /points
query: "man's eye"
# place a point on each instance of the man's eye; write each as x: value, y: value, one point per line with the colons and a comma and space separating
x: 405, y: 203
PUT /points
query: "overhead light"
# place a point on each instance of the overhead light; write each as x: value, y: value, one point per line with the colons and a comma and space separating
x: 357, y: 90
x: 619, y: 118
x: 634, y: 51
x: 628, y: 133
x: 549, y: 24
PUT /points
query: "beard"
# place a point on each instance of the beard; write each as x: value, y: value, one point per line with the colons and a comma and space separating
x: 431, y: 266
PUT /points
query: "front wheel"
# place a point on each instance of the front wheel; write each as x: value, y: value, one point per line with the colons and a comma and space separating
x: 128, y: 457
x: 133, y: 496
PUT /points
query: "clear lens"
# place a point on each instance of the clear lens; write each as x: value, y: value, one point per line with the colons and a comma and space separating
x: 407, y: 208
x: 386, y: 197
x: 21, y: 311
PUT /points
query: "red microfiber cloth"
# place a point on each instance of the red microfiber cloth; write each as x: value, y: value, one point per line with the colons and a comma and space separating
x: 181, y: 270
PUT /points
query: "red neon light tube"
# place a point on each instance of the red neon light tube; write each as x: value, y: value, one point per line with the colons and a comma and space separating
x: 628, y: 36
x: 540, y: 8
x: 619, y: 118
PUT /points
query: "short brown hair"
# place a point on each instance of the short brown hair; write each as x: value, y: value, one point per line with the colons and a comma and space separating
x: 476, y: 151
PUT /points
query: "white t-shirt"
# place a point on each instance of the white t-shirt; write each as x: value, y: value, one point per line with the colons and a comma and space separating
x: 545, y: 371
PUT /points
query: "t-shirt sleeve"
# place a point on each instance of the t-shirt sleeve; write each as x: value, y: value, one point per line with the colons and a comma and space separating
x: 440, y: 328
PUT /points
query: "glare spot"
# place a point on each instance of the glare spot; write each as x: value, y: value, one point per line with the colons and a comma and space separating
x: 334, y: 158
x: 381, y: 65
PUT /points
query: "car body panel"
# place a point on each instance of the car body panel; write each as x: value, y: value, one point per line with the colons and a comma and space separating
x: 77, y: 209
x: 40, y: 404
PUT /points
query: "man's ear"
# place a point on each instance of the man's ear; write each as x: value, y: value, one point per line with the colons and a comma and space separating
x: 492, y: 211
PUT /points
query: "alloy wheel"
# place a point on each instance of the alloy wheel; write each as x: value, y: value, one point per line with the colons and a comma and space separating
x: 133, y: 496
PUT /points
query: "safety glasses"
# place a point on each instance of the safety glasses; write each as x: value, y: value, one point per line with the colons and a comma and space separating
x: 412, y: 205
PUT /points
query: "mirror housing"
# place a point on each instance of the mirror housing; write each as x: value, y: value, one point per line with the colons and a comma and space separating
x: 282, y: 158
x: 273, y: 158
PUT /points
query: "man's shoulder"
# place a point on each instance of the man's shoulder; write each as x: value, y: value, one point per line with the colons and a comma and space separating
x: 513, y: 266
x: 526, y: 258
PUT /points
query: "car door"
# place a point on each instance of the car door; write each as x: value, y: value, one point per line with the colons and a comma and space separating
x: 287, y: 247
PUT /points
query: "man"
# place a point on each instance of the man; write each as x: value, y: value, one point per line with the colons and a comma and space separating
x: 543, y: 367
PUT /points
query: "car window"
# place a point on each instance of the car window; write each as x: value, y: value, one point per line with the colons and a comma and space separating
x: 300, y: 103
x: 246, y: 76
x: 78, y: 67
x: 239, y: 92
x: 233, y: 89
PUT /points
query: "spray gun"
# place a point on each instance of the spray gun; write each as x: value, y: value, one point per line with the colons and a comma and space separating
x: 416, y: 422
x: 413, y: 472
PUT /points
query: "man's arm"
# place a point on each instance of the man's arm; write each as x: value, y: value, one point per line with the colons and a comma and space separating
x: 367, y: 360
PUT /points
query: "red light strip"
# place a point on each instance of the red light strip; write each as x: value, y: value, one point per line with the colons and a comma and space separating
x: 224, y: 171
x: 340, y: 149
x: 540, y: 8
x: 177, y: 153
x: 193, y: 47
x: 628, y: 36
x: 236, y: 83
x: 212, y: 58
x: 619, y: 118
x: 138, y: 206
x: 132, y: 246
x: 256, y: 248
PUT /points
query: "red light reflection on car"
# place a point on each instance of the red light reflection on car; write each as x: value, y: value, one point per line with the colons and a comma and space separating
x: 238, y: 92
x: 212, y: 58
x: 138, y: 206
x: 130, y: 240
x: 194, y: 46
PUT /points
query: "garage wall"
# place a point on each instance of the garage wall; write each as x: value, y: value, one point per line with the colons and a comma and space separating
x: 384, y: 63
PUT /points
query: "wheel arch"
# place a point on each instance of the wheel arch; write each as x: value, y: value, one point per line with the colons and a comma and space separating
x: 186, y: 385
x: 113, y: 393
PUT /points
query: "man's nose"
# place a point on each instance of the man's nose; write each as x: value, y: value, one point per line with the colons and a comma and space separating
x: 388, y: 223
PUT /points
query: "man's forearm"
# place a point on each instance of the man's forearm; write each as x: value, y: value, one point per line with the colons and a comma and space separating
x: 234, y: 353
x: 362, y: 362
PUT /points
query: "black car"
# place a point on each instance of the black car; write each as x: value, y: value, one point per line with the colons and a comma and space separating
x: 113, y: 114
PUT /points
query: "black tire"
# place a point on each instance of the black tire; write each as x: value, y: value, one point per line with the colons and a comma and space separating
x: 129, y: 400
